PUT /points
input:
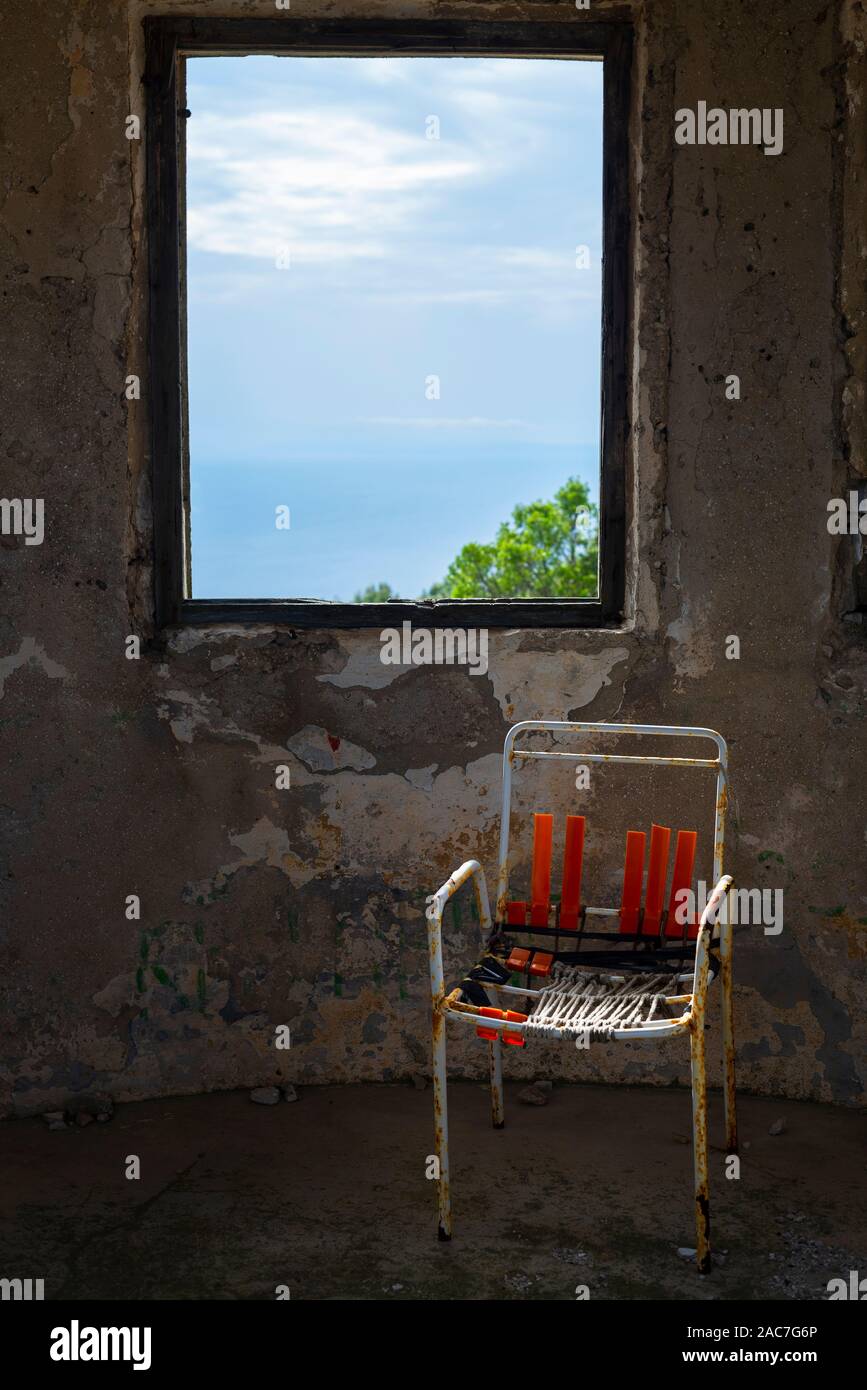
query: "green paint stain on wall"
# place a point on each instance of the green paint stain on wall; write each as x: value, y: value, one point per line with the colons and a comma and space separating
x: 161, y: 974
x: 144, y: 947
x: 199, y: 932
x: 292, y: 923
x: 200, y: 989
x: 214, y: 892
x: 771, y: 854
x: 338, y: 985
x: 139, y: 979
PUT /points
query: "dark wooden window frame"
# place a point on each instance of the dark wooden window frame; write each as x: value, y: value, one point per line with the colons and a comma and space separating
x: 168, y: 41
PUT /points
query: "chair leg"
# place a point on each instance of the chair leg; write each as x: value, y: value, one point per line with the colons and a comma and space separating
x: 699, y: 1146
x: 731, y: 1119
x: 441, y: 1124
x: 497, y: 1107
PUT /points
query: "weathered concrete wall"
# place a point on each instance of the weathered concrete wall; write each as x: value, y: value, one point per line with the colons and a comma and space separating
x: 156, y: 777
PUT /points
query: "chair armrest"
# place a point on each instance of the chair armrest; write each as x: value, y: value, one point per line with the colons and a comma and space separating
x: 714, y: 903
x: 471, y: 868
x: 434, y: 914
x: 708, y: 926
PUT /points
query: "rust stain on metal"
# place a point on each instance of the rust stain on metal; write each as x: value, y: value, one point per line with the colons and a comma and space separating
x: 699, y: 1096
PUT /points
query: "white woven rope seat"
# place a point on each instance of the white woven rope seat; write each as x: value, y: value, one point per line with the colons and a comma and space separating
x: 593, y: 973
x: 577, y: 1004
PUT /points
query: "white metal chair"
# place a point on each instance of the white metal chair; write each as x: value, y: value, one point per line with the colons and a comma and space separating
x: 593, y: 984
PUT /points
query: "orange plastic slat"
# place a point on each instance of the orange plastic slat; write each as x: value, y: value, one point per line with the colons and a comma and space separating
x: 543, y: 844
x: 681, y: 877
x: 518, y: 960
x: 489, y: 1034
x: 570, y: 900
x: 657, y: 870
x: 541, y: 963
x: 514, y: 1039
x: 633, y: 872
x: 516, y: 914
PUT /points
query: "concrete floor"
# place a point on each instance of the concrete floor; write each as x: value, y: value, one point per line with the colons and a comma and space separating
x: 329, y: 1197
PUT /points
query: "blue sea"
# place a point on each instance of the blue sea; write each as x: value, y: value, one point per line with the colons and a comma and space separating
x: 357, y: 520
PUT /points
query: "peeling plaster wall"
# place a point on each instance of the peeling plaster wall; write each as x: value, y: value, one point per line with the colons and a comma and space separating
x: 156, y: 777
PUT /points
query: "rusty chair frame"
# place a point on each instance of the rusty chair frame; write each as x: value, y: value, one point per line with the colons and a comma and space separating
x: 713, y: 948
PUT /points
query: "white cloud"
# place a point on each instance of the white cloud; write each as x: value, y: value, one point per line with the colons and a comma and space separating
x: 382, y: 72
x: 337, y: 185
x: 536, y: 258
x: 585, y: 74
x: 446, y: 423
x: 326, y: 184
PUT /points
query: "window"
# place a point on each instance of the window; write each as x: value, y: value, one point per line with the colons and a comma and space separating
x: 387, y: 316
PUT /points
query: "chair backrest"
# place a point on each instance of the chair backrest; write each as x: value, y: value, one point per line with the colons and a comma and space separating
x: 654, y: 919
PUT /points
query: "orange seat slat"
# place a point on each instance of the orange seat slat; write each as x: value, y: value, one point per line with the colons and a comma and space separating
x: 633, y: 872
x: 514, y: 1039
x: 489, y: 1034
x: 681, y: 878
x: 492, y: 1034
x: 570, y: 900
x: 657, y: 869
x: 543, y: 844
x: 541, y: 963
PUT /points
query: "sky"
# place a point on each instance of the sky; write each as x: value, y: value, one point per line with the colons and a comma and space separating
x: 391, y: 330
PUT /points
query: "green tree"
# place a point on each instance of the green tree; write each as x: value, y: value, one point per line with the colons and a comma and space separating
x: 376, y: 593
x: 547, y: 550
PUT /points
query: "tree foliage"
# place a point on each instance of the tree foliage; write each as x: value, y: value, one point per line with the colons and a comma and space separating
x: 546, y: 550
x: 377, y: 593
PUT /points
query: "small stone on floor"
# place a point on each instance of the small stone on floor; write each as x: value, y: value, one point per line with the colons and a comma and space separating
x: 265, y: 1095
